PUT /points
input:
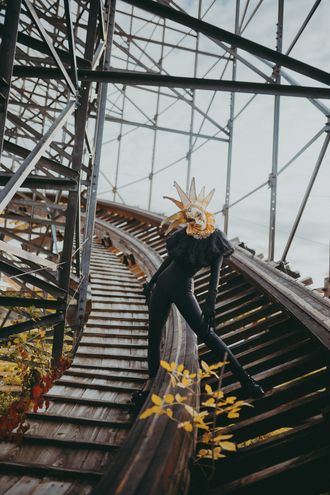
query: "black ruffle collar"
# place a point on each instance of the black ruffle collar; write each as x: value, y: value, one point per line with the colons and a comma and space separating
x: 196, y: 253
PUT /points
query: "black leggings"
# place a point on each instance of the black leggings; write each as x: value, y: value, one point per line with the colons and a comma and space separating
x: 174, y: 286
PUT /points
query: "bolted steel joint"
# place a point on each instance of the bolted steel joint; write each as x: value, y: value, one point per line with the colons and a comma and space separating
x: 327, y: 125
x: 272, y: 179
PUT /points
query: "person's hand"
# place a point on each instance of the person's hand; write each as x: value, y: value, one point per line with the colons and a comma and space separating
x: 208, y: 313
x: 146, y: 291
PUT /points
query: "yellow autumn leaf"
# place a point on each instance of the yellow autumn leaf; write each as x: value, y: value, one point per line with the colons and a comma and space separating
x: 199, y: 420
x: 173, y: 366
x: 201, y: 425
x: 232, y: 415
x: 180, y: 368
x: 203, y: 452
x: 208, y: 389
x: 169, y: 398
x: 206, y: 437
x: 218, y: 365
x: 228, y: 446
x: 217, y: 453
x: 165, y: 365
x: 233, y: 409
x: 150, y: 411
x: 219, y: 411
x: 186, y: 425
x: 218, y: 395
x: 201, y: 414
x: 231, y: 399
x: 184, y: 383
x: 221, y: 437
x: 169, y: 412
x: 205, y: 366
x: 156, y: 400
x: 209, y: 403
x: 180, y: 398
x: 189, y: 409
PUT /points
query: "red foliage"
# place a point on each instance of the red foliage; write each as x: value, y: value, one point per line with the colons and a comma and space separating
x: 32, y: 398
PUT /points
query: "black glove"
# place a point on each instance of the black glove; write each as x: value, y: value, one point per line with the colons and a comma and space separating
x: 208, y: 313
x: 146, y: 291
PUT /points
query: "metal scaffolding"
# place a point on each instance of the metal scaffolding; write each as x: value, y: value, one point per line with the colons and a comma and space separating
x: 56, y: 62
x: 49, y: 158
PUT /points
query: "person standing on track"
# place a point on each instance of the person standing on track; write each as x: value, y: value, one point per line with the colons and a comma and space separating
x: 198, y: 244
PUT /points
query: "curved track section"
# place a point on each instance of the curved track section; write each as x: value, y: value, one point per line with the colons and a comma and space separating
x: 280, y: 331
x: 87, y: 441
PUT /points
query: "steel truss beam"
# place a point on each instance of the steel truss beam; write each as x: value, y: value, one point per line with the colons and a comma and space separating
x: 136, y: 78
x: 155, y: 127
x: 53, y: 53
x: 29, y: 163
x: 233, y: 39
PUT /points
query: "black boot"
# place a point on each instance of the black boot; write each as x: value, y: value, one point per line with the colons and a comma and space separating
x: 212, y: 340
x: 138, y: 398
x: 253, y: 388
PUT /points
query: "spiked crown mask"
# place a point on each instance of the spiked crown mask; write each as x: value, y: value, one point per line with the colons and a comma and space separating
x: 200, y: 223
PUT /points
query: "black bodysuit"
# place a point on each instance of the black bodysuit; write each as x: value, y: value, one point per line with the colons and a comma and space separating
x: 173, y: 283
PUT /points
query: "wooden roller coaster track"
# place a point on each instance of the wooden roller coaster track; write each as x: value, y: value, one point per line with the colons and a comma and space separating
x: 89, y: 441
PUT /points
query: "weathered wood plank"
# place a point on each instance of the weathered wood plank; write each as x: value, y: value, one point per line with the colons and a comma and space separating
x: 310, y: 469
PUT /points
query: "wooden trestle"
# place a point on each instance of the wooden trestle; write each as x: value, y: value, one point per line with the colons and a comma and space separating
x: 88, y: 439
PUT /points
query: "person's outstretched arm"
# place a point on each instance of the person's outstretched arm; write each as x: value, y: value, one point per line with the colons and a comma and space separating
x: 209, y: 305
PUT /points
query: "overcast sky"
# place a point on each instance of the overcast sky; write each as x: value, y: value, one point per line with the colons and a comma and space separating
x: 252, y: 153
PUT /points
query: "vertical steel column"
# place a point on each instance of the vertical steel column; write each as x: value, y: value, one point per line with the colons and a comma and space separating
x: 92, y: 198
x: 192, y: 114
x: 307, y: 192
x: 73, y: 209
x: 122, y: 111
x: 231, y: 127
x: 153, y: 157
x: 68, y: 16
x: 81, y: 118
x: 273, y: 176
x: 7, y: 57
